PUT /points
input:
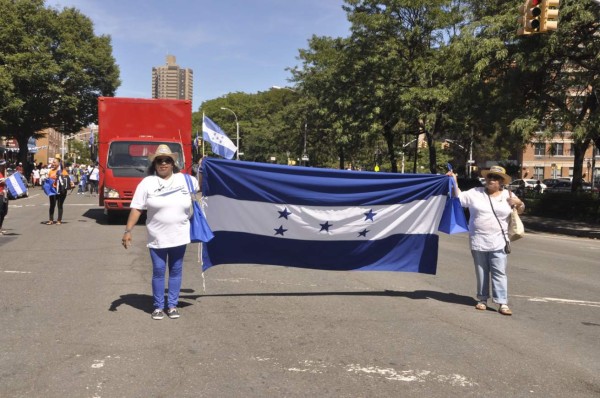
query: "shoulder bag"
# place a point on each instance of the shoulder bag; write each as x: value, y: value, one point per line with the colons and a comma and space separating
x: 516, y: 229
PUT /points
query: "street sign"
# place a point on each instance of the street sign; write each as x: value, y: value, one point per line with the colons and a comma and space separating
x: 305, y: 158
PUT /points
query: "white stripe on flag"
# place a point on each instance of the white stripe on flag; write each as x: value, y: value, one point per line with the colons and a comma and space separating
x: 304, y: 222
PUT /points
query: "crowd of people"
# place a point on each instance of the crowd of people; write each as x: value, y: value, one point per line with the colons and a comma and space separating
x: 83, y: 176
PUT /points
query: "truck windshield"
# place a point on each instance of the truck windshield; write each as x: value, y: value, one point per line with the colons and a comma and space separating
x: 131, y: 157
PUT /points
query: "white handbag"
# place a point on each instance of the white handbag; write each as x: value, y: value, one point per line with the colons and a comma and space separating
x: 516, y: 229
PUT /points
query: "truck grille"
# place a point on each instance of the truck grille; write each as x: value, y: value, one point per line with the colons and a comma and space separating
x: 127, y: 194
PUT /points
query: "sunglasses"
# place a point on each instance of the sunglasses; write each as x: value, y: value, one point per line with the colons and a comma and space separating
x: 494, y: 177
x: 163, y: 161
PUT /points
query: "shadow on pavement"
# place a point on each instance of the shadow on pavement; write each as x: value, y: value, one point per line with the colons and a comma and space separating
x: 416, y: 295
x: 145, y: 302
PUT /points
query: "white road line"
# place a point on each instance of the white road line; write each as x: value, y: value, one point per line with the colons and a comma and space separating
x: 559, y: 300
x: 16, y: 272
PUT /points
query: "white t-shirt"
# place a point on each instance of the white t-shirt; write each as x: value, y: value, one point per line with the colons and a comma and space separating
x: 168, y: 205
x: 484, y: 230
x: 95, y: 175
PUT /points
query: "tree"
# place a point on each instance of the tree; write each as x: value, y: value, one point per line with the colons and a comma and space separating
x: 53, y: 69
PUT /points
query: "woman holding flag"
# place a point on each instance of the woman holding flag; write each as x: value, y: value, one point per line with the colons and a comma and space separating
x: 61, y: 183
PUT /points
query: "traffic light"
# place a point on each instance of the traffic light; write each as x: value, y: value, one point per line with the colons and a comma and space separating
x: 529, y: 21
x: 423, y: 144
x: 445, y: 145
x: 549, y: 15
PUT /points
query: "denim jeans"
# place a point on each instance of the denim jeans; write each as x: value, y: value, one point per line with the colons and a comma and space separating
x: 493, y: 263
x: 160, y: 258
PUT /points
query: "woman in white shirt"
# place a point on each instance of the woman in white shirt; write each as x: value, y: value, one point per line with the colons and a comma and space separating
x: 489, y: 208
x: 165, y: 195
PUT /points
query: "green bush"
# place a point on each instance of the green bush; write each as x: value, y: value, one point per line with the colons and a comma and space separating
x: 580, y: 206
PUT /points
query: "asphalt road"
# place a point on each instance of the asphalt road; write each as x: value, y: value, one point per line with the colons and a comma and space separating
x: 76, y: 321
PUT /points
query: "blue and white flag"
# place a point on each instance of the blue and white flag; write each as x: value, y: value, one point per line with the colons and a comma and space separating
x: 220, y: 143
x: 321, y: 218
x: 15, y: 185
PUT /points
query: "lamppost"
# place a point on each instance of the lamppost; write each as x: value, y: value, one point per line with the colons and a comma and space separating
x: 402, y: 152
x: 470, y: 161
x: 237, y: 133
x: 304, y: 154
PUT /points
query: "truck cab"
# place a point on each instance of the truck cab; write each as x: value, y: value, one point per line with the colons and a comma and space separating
x: 129, y: 130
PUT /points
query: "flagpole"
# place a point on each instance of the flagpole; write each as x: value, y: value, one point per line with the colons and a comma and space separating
x: 202, y: 134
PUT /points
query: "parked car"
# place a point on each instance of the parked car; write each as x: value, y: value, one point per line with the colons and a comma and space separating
x: 527, y: 183
x: 550, y: 182
x: 565, y: 186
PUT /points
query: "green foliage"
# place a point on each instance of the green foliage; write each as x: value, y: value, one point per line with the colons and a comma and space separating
x: 580, y: 206
x: 53, y: 69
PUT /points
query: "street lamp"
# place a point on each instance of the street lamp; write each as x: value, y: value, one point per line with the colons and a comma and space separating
x: 237, y: 133
x: 470, y: 161
x: 402, y: 153
x: 304, y: 154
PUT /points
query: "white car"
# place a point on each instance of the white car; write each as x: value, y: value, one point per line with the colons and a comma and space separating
x: 528, y: 183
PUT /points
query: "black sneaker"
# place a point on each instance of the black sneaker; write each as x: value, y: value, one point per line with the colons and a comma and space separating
x: 158, y: 314
x: 173, y: 313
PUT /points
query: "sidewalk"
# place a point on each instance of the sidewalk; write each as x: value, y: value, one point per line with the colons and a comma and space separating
x: 562, y: 227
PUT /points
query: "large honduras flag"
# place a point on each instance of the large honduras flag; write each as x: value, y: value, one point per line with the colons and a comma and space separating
x: 220, y: 143
x: 15, y: 185
x: 321, y: 218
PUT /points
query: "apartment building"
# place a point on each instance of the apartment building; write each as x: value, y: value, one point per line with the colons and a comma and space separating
x: 172, y: 81
x: 554, y: 158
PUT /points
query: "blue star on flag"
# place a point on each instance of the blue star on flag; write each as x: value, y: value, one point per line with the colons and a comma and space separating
x: 325, y: 227
x: 370, y: 215
x: 284, y: 213
x: 363, y: 232
x: 280, y: 230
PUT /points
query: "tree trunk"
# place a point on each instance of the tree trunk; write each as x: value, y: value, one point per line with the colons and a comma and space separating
x: 578, y: 159
x: 388, y: 134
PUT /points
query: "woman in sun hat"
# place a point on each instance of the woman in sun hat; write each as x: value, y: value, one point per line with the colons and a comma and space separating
x: 165, y: 195
x: 490, y: 207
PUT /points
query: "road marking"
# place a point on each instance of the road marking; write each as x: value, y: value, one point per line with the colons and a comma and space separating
x: 419, y: 376
x: 559, y: 300
x: 17, y: 272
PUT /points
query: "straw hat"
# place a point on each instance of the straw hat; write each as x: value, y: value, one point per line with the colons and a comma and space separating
x: 498, y: 170
x: 163, y: 150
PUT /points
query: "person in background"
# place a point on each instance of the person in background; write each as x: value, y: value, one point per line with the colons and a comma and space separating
x: 93, y: 178
x: 62, y: 183
x: 35, y: 177
x: 538, y: 187
x: 164, y: 193
x: 82, y: 186
x: 490, y: 207
x: 3, y: 195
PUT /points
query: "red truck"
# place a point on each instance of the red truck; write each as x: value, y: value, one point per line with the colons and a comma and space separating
x: 129, y: 130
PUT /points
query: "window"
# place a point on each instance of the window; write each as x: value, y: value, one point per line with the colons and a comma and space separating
x: 538, y: 173
x: 540, y: 149
x: 558, y: 149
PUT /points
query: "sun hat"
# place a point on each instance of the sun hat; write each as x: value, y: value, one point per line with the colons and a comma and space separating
x: 498, y: 170
x: 163, y: 150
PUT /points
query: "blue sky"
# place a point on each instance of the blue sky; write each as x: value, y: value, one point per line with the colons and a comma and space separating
x: 231, y: 45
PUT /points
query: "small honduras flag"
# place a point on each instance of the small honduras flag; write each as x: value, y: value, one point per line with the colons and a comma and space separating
x: 15, y: 185
x: 322, y: 218
x: 220, y: 143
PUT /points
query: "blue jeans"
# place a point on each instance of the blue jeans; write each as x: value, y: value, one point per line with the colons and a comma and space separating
x: 160, y: 257
x: 493, y: 263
